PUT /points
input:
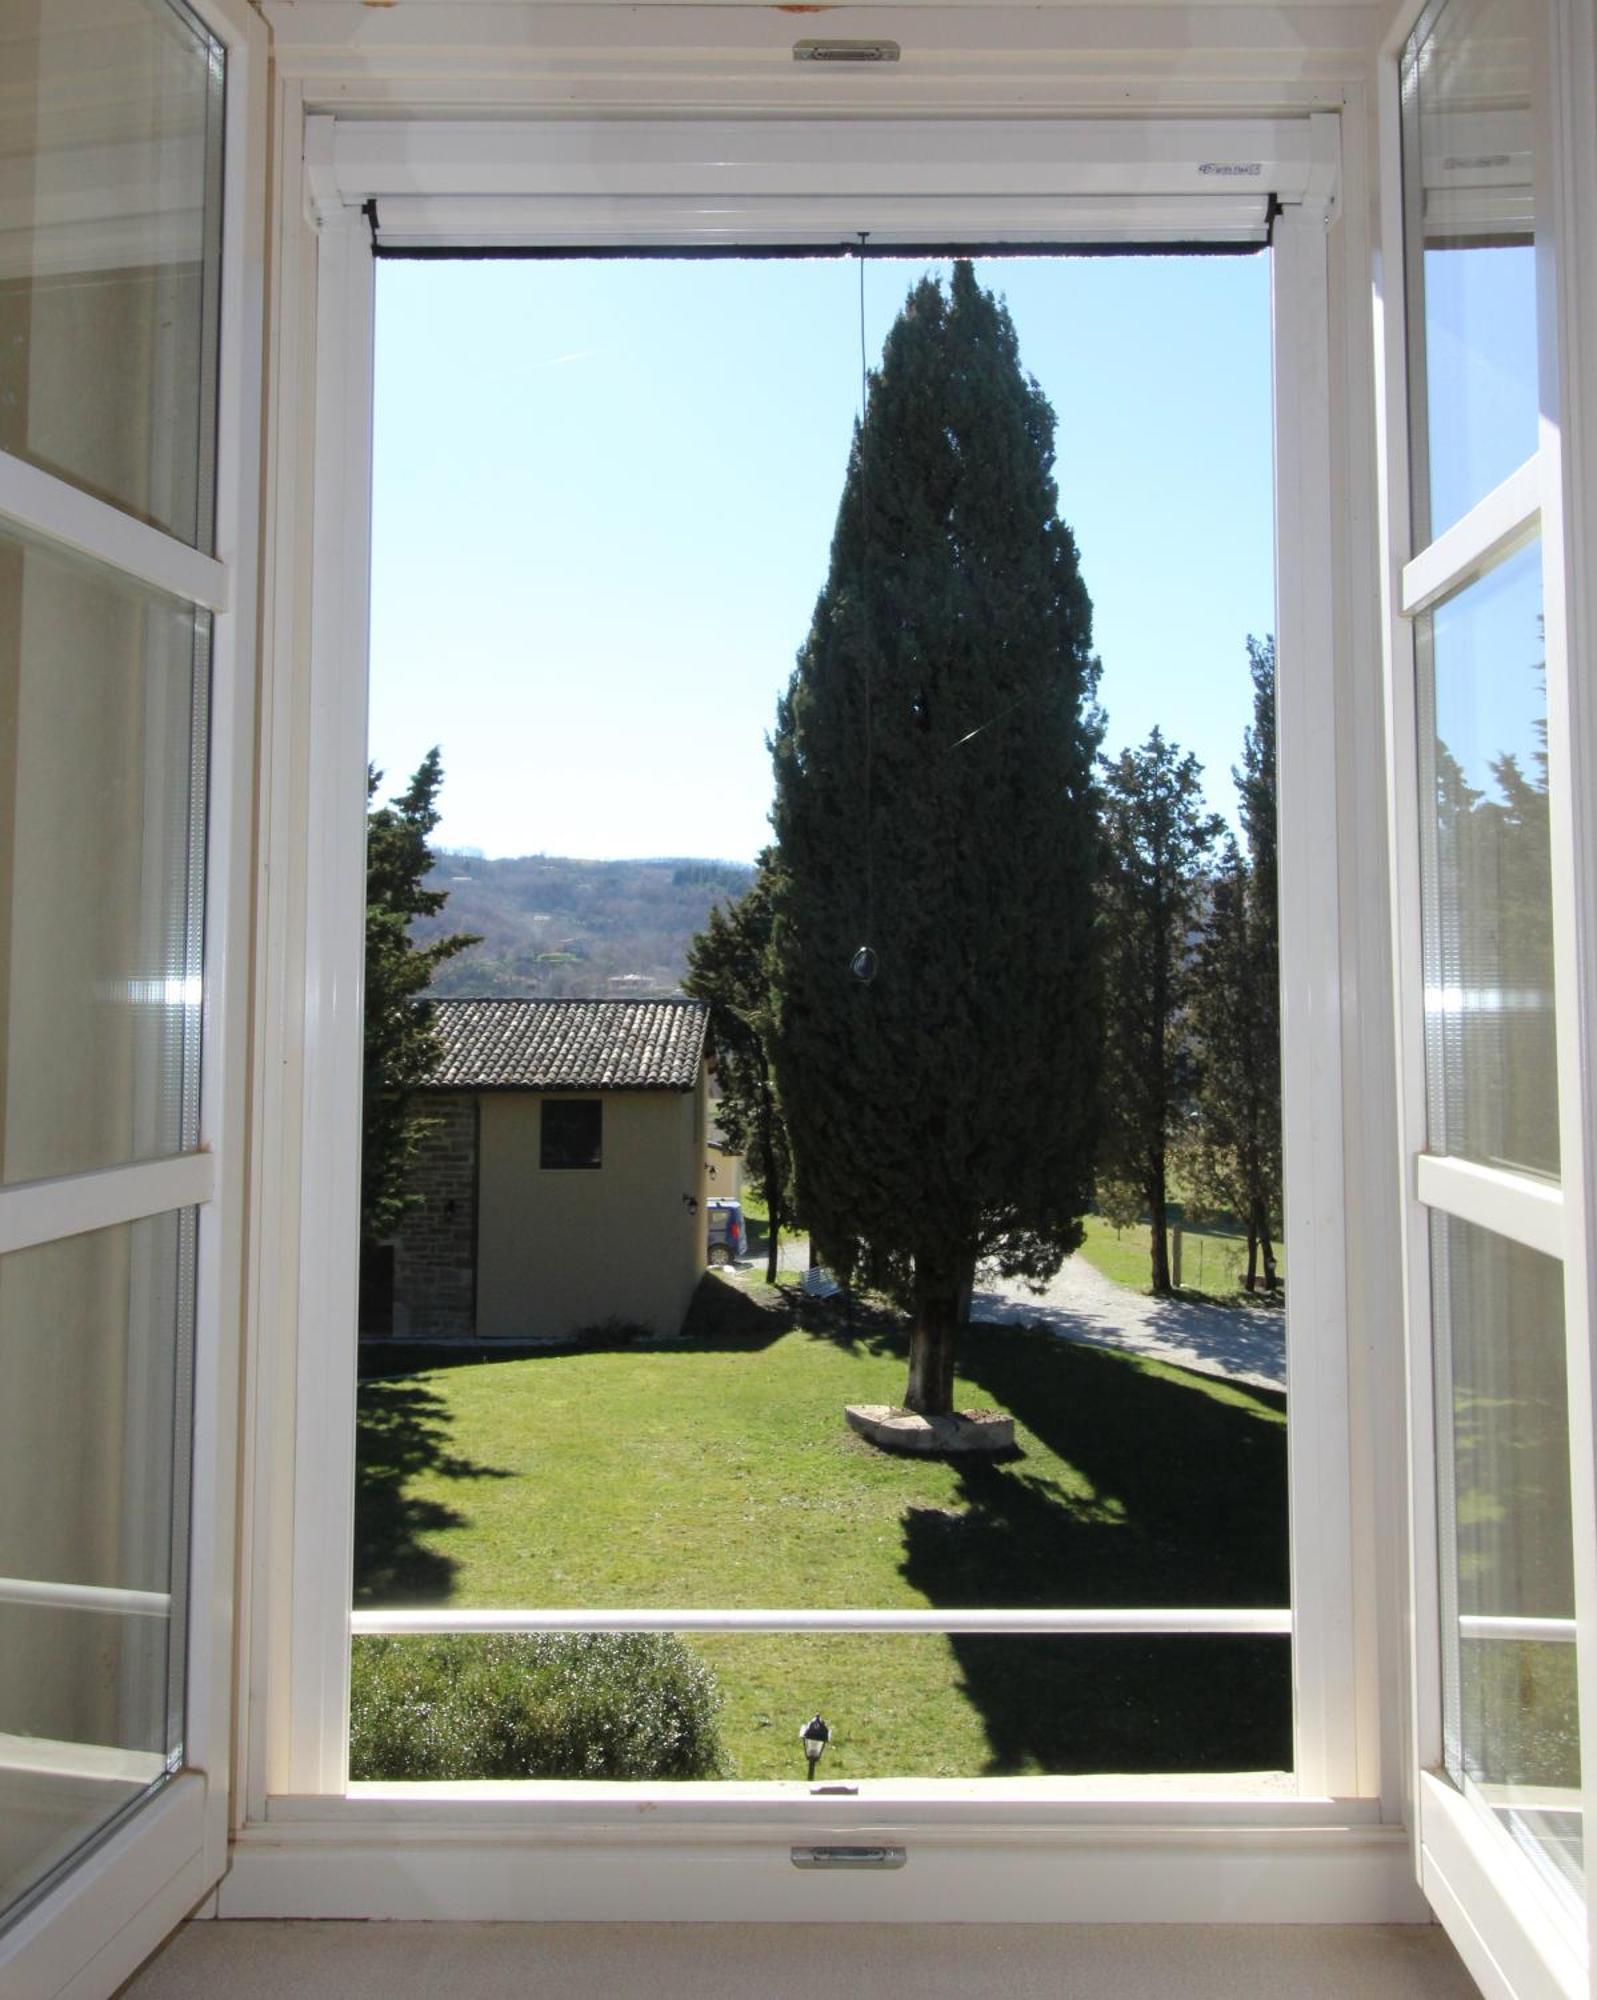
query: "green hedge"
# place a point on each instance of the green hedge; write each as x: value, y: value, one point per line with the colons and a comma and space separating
x: 533, y: 1705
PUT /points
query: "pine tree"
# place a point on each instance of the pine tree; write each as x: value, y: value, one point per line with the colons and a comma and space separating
x: 728, y: 967
x: 1237, y: 1160
x: 936, y: 1014
x: 401, y: 1047
x: 1156, y: 839
x: 1256, y: 793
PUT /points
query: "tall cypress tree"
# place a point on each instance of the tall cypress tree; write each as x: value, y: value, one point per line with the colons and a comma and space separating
x: 1156, y: 838
x: 936, y: 1016
x: 1256, y: 794
x: 1237, y: 1155
x: 1256, y: 788
x: 1235, y: 1162
x: 401, y: 1047
x: 727, y: 968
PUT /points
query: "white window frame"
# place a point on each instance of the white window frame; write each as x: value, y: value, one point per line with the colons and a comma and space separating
x: 112, y: 1909
x: 1515, y: 1936
x: 1334, y: 1851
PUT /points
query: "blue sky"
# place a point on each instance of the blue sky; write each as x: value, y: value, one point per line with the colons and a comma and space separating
x: 1482, y: 413
x: 605, y: 490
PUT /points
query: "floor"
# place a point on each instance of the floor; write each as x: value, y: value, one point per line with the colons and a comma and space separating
x: 284, y: 1961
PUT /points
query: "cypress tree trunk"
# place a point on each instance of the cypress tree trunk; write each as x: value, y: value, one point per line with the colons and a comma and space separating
x: 776, y: 1219
x: 942, y: 1307
x: 1269, y: 1249
x: 1158, y: 1220
x: 1159, y: 1257
x: 931, y: 1347
x: 1253, y: 1255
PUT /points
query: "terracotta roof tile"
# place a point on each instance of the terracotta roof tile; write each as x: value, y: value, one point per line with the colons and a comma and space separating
x: 569, y: 1044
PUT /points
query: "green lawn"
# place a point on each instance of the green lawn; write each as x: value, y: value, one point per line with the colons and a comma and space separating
x: 718, y: 1472
x: 1213, y: 1261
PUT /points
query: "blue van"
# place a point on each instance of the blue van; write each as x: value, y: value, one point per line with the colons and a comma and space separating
x: 728, y: 1238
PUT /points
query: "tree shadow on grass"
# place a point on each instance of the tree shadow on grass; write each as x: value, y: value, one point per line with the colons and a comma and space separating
x: 1180, y: 1500
x: 861, y: 1323
x: 744, y: 1312
x: 735, y: 1313
x: 402, y: 1431
x: 1067, y: 1705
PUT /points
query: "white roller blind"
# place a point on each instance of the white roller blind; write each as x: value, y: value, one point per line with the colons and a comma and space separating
x: 464, y: 185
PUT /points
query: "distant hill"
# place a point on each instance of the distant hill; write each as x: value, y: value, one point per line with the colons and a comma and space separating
x: 556, y: 928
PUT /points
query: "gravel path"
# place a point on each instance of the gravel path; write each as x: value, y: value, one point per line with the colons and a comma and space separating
x: 1242, y: 1343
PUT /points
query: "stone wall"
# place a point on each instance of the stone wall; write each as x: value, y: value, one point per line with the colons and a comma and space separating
x: 435, y: 1254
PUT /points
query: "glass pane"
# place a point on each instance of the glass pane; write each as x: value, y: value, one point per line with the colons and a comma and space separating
x: 95, y: 1341
x: 1510, y: 1715
x: 102, y: 733
x: 898, y: 1705
x: 108, y: 263
x: 1472, y: 280
x: 1486, y: 870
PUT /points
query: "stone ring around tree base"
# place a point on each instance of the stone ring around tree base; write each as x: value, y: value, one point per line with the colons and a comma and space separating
x: 981, y: 1433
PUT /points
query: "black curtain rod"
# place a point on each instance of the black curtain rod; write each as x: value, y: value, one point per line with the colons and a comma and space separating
x: 880, y: 249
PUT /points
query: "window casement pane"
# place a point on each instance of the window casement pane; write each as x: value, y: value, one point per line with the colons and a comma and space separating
x: 103, y: 687
x: 899, y: 1705
x: 1471, y: 279
x: 1486, y: 872
x: 110, y: 234
x: 96, y: 1336
x: 1510, y: 1719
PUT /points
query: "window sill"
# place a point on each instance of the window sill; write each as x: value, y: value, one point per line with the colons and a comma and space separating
x: 1013, y: 1851
x: 1268, y: 1797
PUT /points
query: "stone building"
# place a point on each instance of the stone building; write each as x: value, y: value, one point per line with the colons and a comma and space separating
x: 563, y: 1182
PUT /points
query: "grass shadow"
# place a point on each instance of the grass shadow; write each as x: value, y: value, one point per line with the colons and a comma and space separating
x: 735, y: 1313
x: 744, y: 1312
x: 399, y: 1360
x: 1197, y: 1465
x: 1068, y: 1705
x: 857, y: 1322
x: 1179, y: 1499
x: 402, y: 1431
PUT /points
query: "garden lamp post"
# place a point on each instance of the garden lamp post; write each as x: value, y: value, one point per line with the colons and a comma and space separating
x: 814, y: 1736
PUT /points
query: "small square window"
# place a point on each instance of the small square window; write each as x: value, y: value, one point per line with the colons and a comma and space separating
x: 573, y: 1132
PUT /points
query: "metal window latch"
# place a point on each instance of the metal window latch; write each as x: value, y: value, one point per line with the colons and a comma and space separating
x: 835, y: 51
x: 849, y: 1857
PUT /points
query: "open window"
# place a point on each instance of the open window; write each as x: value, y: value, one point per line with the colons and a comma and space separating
x: 1486, y: 751
x: 127, y: 565
x: 1454, y: 1224
x: 429, y: 188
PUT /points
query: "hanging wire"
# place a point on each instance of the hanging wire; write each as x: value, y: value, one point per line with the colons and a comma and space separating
x: 992, y: 721
x: 863, y: 963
